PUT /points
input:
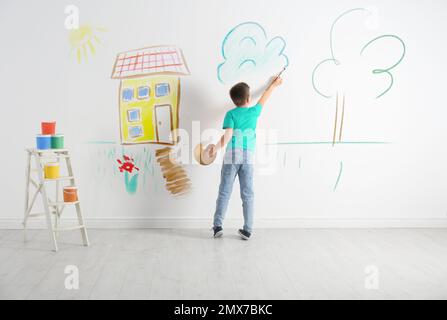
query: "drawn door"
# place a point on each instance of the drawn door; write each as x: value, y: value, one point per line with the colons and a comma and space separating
x: 163, y: 118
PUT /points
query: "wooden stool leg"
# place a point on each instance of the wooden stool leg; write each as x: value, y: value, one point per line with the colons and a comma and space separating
x: 81, y: 222
x: 45, y: 203
x: 78, y: 207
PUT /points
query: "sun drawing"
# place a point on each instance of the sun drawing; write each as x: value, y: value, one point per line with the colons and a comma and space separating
x: 83, y: 40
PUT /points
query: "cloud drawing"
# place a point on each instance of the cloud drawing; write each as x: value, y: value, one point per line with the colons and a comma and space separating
x: 246, y: 50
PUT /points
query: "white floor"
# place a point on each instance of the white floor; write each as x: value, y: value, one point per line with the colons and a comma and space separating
x: 189, y: 264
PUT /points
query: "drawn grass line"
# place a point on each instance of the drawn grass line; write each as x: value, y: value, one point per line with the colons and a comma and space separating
x: 100, y: 142
x: 339, y: 175
x: 328, y: 142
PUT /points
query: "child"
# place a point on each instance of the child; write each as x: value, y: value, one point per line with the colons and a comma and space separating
x: 240, y: 127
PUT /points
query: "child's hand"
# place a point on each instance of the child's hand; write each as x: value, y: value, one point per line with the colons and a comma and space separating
x: 212, y: 150
x: 276, y: 82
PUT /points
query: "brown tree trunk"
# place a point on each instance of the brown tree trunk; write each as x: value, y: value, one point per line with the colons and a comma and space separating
x: 339, y: 103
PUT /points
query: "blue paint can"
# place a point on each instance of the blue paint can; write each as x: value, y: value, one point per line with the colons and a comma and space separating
x: 43, y: 141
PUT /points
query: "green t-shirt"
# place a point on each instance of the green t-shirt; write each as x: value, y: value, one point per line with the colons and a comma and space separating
x: 243, y: 121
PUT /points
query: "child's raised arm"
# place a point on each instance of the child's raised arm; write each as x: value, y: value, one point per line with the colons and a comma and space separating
x: 267, y: 93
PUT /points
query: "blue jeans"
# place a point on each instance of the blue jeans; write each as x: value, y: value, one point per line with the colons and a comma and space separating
x: 237, y: 162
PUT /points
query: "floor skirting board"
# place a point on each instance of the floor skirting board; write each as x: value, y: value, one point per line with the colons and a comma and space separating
x: 156, y: 222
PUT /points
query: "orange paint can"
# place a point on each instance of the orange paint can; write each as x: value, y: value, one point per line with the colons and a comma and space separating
x: 70, y: 194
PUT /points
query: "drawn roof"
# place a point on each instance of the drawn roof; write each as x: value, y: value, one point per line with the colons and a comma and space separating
x: 150, y: 61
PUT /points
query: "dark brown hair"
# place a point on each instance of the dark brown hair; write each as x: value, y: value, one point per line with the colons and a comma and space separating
x: 240, y: 93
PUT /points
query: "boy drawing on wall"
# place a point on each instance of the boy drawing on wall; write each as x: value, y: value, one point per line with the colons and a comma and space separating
x: 240, y: 135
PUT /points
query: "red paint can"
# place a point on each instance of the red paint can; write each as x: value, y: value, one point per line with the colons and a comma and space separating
x: 48, y: 127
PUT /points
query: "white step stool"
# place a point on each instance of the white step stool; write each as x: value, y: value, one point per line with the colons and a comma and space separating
x: 57, y: 206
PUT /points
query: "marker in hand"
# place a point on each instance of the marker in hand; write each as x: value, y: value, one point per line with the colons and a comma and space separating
x: 277, y: 77
x: 279, y: 74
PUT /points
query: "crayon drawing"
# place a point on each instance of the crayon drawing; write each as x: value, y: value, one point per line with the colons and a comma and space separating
x: 388, y: 52
x: 246, y: 50
x: 177, y: 181
x: 338, y: 176
x: 127, y: 165
x: 149, y: 99
x: 83, y: 41
x: 149, y: 94
x: 115, y: 165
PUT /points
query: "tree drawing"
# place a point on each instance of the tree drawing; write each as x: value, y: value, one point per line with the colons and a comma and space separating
x: 379, y: 69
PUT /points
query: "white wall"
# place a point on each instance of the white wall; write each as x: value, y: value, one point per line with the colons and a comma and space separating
x: 402, y: 182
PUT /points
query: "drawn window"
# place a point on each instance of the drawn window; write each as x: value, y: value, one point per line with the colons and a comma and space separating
x: 135, y: 131
x: 134, y: 115
x: 162, y: 89
x: 127, y: 94
x: 143, y: 92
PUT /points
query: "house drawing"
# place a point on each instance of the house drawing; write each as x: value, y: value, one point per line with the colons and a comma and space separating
x: 149, y: 94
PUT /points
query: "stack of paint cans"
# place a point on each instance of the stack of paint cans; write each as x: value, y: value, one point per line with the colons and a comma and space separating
x: 48, y: 139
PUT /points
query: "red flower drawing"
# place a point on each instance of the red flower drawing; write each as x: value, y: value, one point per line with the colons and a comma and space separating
x: 127, y: 165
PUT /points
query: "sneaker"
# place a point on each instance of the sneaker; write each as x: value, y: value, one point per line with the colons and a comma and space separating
x: 218, y: 232
x: 244, y: 234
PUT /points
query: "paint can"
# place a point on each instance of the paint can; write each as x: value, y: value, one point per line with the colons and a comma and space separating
x: 70, y: 194
x: 57, y: 141
x: 48, y: 127
x: 43, y: 142
x: 51, y: 170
